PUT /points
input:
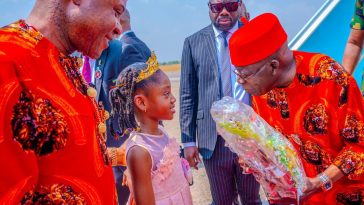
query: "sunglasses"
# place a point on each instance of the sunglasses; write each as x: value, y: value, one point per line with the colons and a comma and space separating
x: 229, y: 6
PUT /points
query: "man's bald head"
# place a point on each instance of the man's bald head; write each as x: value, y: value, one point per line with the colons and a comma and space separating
x: 78, y: 25
x: 125, y: 16
x: 125, y: 21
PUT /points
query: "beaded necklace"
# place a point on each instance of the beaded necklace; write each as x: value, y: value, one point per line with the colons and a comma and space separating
x: 71, y: 67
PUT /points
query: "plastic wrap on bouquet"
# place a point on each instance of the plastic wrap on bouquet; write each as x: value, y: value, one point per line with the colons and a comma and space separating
x: 271, y: 157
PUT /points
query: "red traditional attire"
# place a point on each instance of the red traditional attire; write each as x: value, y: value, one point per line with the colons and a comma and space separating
x: 322, y: 113
x: 50, y: 150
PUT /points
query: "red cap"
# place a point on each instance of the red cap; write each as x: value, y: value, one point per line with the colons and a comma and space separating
x: 256, y: 40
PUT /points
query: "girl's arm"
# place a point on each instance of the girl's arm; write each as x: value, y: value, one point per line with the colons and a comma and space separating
x: 139, y: 164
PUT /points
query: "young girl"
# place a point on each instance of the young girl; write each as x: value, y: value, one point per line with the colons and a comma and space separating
x: 155, y: 173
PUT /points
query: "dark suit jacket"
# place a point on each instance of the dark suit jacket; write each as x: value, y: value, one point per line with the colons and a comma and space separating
x: 131, y: 40
x: 199, y: 88
x: 113, y: 60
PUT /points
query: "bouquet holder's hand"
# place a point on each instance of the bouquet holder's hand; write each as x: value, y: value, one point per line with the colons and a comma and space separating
x: 192, y: 156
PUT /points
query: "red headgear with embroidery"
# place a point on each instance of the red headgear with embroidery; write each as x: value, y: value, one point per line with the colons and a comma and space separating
x: 256, y: 40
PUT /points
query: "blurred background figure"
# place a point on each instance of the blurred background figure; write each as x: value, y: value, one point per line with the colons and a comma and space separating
x: 129, y: 40
x: 354, y: 46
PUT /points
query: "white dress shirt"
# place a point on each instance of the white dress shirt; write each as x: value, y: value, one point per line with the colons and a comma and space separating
x: 238, y: 91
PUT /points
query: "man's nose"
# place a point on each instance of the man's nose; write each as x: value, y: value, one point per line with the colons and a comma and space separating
x: 224, y: 12
x: 173, y: 99
x: 241, y: 80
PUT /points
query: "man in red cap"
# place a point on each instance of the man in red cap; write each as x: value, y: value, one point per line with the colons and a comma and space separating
x: 310, y: 99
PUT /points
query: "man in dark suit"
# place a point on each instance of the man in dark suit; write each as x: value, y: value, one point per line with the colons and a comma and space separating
x: 130, y: 40
x: 122, y: 52
x: 206, y: 76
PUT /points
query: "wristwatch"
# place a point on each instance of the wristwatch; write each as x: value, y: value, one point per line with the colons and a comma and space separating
x: 326, y: 183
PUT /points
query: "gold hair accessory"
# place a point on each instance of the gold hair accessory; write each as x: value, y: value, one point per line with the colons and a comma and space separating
x: 153, y: 66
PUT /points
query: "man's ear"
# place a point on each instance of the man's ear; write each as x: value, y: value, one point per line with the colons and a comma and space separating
x: 141, y: 102
x: 77, y: 2
x: 247, y: 16
x: 275, y: 65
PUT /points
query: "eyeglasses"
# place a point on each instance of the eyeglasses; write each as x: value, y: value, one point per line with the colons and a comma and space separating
x: 229, y: 6
x: 246, y: 76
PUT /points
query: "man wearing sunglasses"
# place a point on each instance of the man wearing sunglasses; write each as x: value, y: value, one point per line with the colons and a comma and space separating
x: 206, y: 76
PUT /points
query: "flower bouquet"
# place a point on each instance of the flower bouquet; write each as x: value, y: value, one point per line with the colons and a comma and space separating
x: 269, y: 155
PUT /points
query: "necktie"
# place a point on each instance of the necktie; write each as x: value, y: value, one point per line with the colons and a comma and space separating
x: 86, y: 70
x: 225, y: 65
